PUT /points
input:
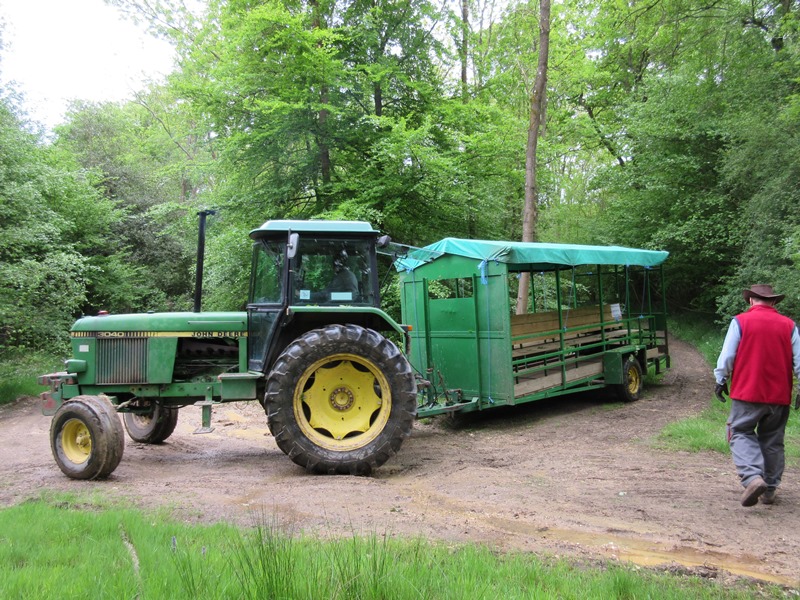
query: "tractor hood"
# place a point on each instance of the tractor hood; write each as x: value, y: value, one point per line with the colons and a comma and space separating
x: 178, y: 324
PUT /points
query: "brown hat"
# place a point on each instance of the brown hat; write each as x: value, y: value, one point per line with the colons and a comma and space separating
x: 764, y: 292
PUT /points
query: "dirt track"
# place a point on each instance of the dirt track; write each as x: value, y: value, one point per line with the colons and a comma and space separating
x: 572, y: 476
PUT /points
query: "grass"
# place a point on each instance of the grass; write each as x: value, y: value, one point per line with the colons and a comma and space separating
x: 706, y: 431
x: 18, y: 373
x: 71, y: 548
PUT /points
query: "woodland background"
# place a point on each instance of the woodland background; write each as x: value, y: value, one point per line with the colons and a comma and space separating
x: 668, y: 124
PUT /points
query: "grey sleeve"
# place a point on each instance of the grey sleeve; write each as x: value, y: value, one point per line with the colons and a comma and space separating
x: 728, y: 354
x: 796, y: 353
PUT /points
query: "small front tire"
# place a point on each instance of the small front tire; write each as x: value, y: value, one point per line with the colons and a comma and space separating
x: 86, y: 438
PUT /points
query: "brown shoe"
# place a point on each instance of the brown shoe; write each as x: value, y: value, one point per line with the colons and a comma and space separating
x: 753, y: 490
x: 769, y: 496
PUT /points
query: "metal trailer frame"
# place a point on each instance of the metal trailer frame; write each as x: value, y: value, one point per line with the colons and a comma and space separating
x: 586, y: 321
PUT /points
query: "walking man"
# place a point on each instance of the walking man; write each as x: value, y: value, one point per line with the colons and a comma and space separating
x: 760, y: 354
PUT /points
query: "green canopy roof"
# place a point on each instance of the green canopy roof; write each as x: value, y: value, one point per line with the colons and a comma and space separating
x: 538, y: 254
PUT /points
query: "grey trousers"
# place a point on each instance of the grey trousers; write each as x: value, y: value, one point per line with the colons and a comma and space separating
x: 755, y: 435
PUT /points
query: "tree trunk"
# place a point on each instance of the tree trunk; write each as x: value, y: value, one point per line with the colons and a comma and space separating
x: 377, y: 95
x: 464, y: 48
x: 322, y: 116
x: 530, y: 214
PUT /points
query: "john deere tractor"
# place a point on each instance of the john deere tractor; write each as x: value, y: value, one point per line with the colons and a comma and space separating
x: 339, y: 395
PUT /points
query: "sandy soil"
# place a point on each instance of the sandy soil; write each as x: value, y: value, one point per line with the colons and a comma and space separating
x: 574, y: 476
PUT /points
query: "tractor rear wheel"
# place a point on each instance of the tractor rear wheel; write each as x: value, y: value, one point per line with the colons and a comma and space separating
x: 86, y: 438
x: 153, y: 427
x: 341, y: 399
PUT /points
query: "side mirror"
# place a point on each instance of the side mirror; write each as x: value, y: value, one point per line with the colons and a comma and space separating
x: 291, y: 247
x: 384, y: 241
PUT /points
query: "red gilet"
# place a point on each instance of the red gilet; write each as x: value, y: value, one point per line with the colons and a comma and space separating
x: 762, y: 369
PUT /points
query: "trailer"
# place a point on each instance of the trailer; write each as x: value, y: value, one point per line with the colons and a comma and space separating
x: 595, y: 317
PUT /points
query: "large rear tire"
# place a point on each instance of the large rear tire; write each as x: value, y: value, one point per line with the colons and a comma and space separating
x: 341, y: 399
x: 86, y: 438
x: 152, y: 428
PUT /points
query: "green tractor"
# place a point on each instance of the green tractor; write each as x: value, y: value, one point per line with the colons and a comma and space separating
x: 340, y: 396
x: 315, y: 348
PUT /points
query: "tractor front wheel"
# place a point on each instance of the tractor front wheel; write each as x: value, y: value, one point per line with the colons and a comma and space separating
x: 86, y: 438
x: 152, y: 427
x: 341, y: 399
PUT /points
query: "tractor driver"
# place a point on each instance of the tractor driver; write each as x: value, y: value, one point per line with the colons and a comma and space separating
x: 344, y: 280
x: 342, y: 286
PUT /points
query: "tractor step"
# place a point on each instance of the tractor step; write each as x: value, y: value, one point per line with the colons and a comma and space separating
x: 206, y: 427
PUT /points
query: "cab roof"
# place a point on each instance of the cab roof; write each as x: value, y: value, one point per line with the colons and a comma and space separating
x: 284, y: 226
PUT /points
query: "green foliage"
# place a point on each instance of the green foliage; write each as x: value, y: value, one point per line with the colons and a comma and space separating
x: 227, y: 266
x: 761, y: 170
x: 147, y: 167
x: 50, y: 217
x: 54, y: 285
x: 707, y: 173
x: 18, y: 373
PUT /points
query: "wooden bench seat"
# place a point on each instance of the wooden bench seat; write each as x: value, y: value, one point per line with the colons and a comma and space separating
x: 540, y: 333
x: 547, y: 354
x: 569, y: 342
x: 537, y: 346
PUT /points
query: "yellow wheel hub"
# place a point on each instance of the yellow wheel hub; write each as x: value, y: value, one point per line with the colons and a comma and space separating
x: 342, y: 402
x: 634, y: 381
x: 76, y: 441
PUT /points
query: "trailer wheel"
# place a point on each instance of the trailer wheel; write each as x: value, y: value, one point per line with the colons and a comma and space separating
x: 86, y: 438
x: 341, y: 399
x: 631, y: 387
x: 152, y: 428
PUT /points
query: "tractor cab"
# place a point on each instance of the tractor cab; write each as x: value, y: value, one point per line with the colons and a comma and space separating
x: 320, y: 267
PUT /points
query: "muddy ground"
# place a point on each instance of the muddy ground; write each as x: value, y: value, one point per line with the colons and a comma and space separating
x: 574, y: 476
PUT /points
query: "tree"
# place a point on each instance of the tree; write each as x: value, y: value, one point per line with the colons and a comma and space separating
x: 52, y: 225
x: 150, y: 172
x: 535, y: 127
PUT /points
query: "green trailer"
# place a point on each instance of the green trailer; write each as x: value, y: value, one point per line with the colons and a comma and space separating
x: 595, y: 317
x: 339, y: 379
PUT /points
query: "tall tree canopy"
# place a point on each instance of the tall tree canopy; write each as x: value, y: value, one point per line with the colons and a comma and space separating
x: 667, y: 124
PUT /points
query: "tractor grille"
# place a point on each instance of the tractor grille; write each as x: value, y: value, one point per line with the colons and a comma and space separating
x: 122, y: 360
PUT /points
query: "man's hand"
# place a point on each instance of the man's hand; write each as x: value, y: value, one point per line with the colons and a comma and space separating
x: 720, y: 391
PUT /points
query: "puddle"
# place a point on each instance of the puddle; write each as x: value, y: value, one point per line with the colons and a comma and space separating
x: 648, y: 553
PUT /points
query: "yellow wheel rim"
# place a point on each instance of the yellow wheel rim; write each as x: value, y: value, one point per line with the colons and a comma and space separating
x: 76, y: 441
x: 634, y: 381
x: 342, y: 402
